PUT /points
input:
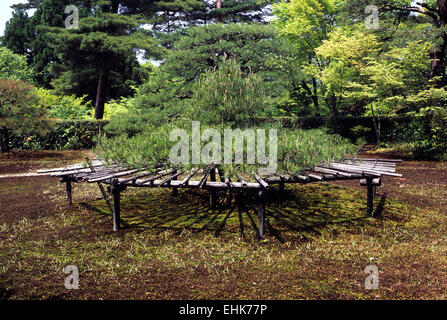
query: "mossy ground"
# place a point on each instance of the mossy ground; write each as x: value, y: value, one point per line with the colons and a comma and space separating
x: 317, y: 247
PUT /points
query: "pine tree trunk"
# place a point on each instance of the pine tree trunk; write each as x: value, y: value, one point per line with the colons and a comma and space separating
x: 100, y: 94
x: 4, y: 135
x: 334, y: 111
x: 315, y: 96
x: 219, y: 15
x: 438, y: 64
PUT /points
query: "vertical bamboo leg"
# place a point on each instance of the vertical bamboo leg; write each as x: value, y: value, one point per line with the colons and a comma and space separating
x: 281, y: 189
x: 116, y: 190
x: 369, y: 197
x: 174, y: 189
x: 68, y: 187
x: 261, y: 213
x: 213, y: 192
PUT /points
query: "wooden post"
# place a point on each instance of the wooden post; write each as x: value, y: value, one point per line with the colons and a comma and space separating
x: 369, y: 196
x: 261, y: 213
x: 213, y: 192
x: 281, y: 187
x: 68, y: 187
x: 174, y: 189
x: 116, y: 190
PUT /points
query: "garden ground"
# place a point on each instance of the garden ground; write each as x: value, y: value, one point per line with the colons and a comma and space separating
x: 318, y: 240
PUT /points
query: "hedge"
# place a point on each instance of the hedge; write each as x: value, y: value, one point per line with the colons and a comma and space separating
x: 61, y: 135
x: 81, y: 134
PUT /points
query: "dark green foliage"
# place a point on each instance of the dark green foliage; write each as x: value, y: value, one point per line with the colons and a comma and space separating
x: 254, y: 46
x: 103, y: 48
x: 201, y: 49
x: 49, y: 13
x: 62, y: 135
x: 15, y: 36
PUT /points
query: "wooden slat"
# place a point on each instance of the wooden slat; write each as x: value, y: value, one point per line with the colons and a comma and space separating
x: 152, y: 179
x: 190, y: 175
x: 365, y: 171
x: 139, y: 176
x: 114, y: 175
x: 205, y: 176
x: 70, y: 167
x: 316, y: 177
x: 261, y: 182
x: 170, y: 178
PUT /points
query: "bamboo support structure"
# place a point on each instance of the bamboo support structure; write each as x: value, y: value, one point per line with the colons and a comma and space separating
x: 367, y: 171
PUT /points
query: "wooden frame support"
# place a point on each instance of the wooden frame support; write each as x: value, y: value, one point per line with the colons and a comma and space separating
x: 68, y: 190
x: 174, y: 189
x: 261, y: 213
x: 116, y: 192
x: 281, y: 187
x: 213, y: 193
x: 369, y: 197
x: 371, y: 183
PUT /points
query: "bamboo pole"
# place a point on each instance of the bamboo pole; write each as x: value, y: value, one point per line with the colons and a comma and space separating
x: 100, y: 186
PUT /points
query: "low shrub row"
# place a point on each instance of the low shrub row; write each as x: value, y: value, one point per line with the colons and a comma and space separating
x: 61, y: 135
x: 424, y: 134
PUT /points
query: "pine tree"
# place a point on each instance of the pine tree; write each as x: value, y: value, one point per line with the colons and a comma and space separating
x: 101, y: 45
x: 16, y: 37
x: 49, y: 13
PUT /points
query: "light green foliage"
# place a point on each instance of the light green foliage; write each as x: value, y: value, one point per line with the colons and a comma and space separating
x: 118, y: 107
x: 306, y: 23
x: 362, y: 69
x: 64, y: 107
x: 225, y: 95
x: 13, y: 66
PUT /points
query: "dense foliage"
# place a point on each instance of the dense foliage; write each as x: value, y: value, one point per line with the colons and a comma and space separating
x: 308, y: 58
x: 224, y: 98
x: 19, y: 110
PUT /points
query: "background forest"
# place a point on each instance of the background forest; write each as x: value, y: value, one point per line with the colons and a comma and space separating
x: 302, y: 63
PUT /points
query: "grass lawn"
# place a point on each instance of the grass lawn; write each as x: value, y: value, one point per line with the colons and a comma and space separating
x: 318, y: 240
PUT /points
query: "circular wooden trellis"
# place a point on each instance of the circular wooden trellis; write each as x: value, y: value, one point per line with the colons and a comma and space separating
x: 118, y: 178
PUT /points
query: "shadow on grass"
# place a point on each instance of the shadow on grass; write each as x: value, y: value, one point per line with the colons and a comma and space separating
x: 302, y: 211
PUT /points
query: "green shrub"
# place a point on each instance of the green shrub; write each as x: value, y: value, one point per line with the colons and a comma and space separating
x: 117, y: 107
x: 13, y: 66
x: 20, y: 112
x: 297, y: 149
x: 62, y: 135
x: 64, y: 107
x: 225, y: 95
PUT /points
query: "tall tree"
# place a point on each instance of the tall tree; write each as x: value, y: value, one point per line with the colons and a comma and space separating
x: 437, y: 13
x: 103, y: 42
x: 16, y: 37
x: 433, y: 12
x: 307, y: 23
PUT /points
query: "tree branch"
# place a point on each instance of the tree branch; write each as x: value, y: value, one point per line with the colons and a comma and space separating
x: 434, y: 16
